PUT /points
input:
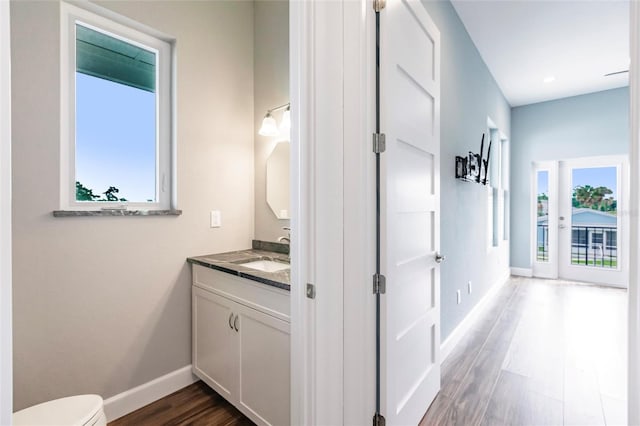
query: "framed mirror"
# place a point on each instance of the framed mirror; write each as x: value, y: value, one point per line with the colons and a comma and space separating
x: 278, y: 180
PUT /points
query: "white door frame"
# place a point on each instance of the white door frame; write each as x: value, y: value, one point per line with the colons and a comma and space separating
x: 359, y: 216
x: 6, y: 352
x: 332, y: 376
x: 317, y: 212
x: 633, y: 394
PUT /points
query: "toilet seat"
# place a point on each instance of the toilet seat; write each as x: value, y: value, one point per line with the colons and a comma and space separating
x: 80, y: 410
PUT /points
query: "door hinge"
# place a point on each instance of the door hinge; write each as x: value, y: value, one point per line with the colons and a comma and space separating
x: 378, y: 5
x: 379, y: 143
x: 379, y: 284
x: 378, y: 420
x: 311, y: 291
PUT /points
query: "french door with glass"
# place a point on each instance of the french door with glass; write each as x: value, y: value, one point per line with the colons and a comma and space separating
x: 578, y: 228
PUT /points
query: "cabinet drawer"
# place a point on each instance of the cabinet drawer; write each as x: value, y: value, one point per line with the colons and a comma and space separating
x: 270, y: 300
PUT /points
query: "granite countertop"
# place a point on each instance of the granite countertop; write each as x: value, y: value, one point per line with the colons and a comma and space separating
x: 231, y: 263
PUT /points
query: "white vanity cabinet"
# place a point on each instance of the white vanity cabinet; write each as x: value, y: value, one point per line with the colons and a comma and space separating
x: 241, y: 343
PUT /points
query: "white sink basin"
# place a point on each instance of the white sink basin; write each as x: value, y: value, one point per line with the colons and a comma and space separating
x: 267, y: 265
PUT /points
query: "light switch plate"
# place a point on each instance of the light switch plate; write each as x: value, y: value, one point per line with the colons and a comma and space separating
x: 216, y: 219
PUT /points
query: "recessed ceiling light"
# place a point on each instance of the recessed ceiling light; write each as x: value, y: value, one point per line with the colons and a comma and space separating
x: 549, y: 79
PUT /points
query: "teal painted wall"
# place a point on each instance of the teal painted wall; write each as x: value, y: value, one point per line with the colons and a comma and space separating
x: 580, y: 126
x: 469, y: 95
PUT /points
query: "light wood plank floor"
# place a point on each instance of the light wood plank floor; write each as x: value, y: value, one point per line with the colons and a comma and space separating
x: 546, y: 353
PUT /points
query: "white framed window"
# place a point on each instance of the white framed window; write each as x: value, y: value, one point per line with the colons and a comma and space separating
x: 116, y: 114
x: 498, y: 187
x: 504, y: 160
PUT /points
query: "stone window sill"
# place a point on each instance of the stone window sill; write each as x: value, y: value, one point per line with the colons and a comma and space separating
x: 115, y: 212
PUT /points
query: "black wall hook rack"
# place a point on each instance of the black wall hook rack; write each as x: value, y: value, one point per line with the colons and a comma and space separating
x: 471, y: 167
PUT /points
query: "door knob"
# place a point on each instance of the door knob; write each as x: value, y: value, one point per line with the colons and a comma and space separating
x: 439, y: 258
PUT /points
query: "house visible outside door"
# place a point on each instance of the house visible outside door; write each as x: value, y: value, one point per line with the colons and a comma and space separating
x: 580, y: 221
x: 410, y: 211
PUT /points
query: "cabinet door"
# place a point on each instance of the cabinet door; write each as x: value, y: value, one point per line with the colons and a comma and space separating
x: 264, y: 392
x: 215, y: 342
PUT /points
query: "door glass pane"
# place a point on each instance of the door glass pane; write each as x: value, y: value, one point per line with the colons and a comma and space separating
x: 542, y: 213
x: 594, y: 217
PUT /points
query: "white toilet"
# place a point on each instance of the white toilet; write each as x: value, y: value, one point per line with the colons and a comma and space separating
x: 80, y: 410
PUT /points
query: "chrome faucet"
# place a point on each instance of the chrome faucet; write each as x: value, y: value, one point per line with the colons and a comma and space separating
x: 287, y: 239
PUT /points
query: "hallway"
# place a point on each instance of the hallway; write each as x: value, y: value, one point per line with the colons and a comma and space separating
x: 545, y: 353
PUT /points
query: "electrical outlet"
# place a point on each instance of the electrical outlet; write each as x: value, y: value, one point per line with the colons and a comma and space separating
x: 216, y: 219
x: 469, y: 288
x: 458, y: 296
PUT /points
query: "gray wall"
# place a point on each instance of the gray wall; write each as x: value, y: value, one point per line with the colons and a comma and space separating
x: 271, y: 89
x: 103, y: 304
x: 580, y: 126
x: 469, y: 95
x: 6, y: 365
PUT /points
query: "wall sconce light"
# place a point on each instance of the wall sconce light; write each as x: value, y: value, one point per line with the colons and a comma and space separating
x: 269, y: 126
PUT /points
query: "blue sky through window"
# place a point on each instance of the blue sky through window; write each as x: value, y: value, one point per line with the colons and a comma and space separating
x: 543, y: 182
x: 115, y: 138
x: 595, y: 177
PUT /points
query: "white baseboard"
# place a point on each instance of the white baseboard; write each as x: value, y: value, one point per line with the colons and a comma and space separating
x: 522, y: 272
x: 467, y: 323
x: 133, y: 399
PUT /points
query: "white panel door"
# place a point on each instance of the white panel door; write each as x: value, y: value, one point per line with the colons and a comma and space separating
x: 410, y: 209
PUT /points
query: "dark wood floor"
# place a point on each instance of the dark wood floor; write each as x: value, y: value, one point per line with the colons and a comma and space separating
x: 195, y: 405
x: 546, y: 353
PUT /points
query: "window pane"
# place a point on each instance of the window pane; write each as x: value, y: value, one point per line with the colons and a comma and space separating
x: 495, y: 199
x: 579, y: 237
x: 596, y: 237
x: 505, y: 216
x: 542, y: 213
x: 115, y: 119
x: 595, y: 217
x: 504, y: 154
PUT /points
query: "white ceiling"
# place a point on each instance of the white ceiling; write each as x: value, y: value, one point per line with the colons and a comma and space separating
x: 524, y: 41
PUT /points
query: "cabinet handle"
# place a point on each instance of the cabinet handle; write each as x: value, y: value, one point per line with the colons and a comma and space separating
x: 235, y: 323
x: 230, y: 325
